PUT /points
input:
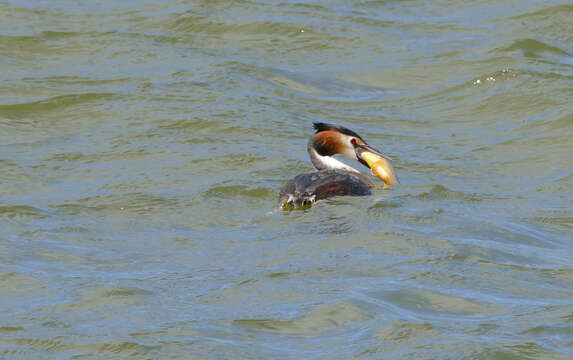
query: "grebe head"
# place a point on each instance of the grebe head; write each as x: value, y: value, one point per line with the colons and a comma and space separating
x: 329, y: 140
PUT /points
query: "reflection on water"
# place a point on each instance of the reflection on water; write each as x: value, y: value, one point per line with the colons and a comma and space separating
x: 143, y: 145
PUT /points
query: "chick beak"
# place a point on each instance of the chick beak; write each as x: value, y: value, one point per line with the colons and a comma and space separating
x: 378, y: 163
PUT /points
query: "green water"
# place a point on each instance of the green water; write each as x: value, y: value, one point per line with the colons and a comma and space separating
x: 143, y: 145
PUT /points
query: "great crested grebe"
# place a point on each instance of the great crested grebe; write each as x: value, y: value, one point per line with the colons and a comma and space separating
x: 335, y: 178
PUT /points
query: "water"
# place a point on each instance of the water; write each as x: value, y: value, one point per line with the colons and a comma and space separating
x: 143, y: 145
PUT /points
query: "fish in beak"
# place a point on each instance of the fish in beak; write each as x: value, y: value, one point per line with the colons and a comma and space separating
x: 378, y: 163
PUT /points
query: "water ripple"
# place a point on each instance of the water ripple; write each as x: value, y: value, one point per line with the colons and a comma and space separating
x: 143, y: 145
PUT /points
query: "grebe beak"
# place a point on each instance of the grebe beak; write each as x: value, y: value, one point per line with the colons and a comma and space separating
x: 378, y: 163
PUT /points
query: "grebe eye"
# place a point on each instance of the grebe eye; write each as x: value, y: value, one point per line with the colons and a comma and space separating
x: 353, y: 141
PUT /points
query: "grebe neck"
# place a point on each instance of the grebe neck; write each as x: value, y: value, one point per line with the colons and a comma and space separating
x: 327, y: 162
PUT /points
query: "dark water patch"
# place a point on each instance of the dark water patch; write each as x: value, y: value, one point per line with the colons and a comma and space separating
x: 21, y: 212
x: 39, y: 109
x: 549, y: 12
x: 230, y: 162
x: 459, y: 92
x: 67, y: 157
x: 73, y: 229
x: 124, y: 348
x: 64, y: 80
x: 59, y: 35
x: 489, y: 97
x: 108, y: 296
x: 189, y: 124
x: 64, y: 346
x: 438, y: 191
x: 316, y: 87
x: 447, y: 258
x: 119, y: 155
x: 225, y: 192
x: 541, y: 330
x: 197, y: 24
x: 62, y: 258
x: 56, y: 324
x: 399, y: 331
x: 558, y: 119
x: 484, y: 274
x: 247, y: 282
x: 250, y: 32
x: 48, y: 345
x: 549, y: 20
x: 385, y: 205
x: 559, y: 223
x: 522, y: 140
x: 453, y: 165
x: 138, y: 203
x: 278, y: 275
x: 536, y: 49
x: 436, y: 304
x: 16, y: 44
x: 316, y: 273
x: 73, y: 209
x: 531, y: 350
x: 119, y: 292
x: 516, y: 242
x: 494, y: 107
x: 318, y: 320
x: 10, y: 329
x: 314, y: 10
x: 437, y: 277
x: 499, y: 352
x: 8, y: 164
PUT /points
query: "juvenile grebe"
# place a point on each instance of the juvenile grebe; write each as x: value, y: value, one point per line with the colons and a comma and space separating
x: 334, y: 178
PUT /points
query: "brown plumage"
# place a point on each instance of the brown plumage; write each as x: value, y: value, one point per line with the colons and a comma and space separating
x: 327, y: 143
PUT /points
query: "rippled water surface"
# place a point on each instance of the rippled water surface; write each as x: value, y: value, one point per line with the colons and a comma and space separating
x: 143, y: 145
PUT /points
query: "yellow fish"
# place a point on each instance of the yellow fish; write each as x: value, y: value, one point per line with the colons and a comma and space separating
x: 381, y: 167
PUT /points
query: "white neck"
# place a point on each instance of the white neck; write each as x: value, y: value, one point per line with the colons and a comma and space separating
x: 327, y: 162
